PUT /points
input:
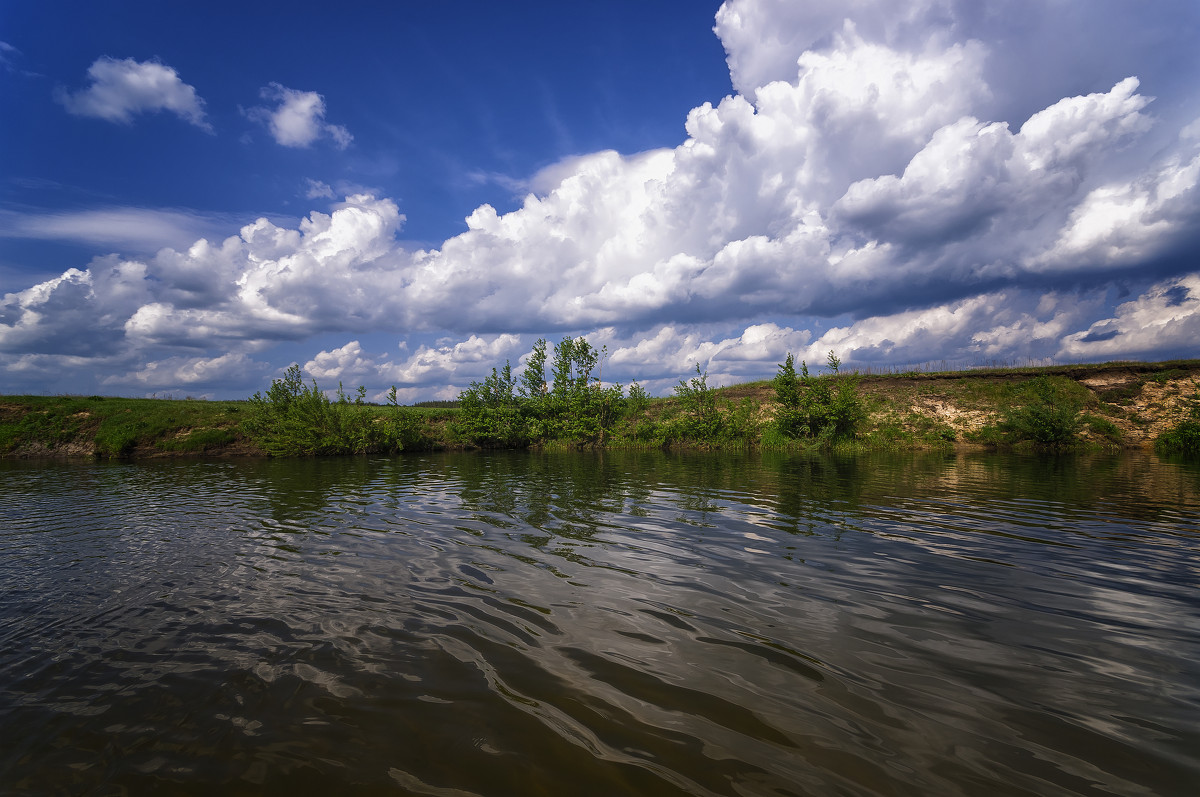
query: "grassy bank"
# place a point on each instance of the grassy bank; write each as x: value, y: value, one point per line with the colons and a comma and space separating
x: 1104, y: 406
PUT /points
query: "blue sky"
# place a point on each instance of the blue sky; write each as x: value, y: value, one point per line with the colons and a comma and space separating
x: 192, y: 198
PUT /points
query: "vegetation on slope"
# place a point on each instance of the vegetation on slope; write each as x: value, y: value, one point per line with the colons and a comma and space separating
x: 573, y: 407
x: 1112, y: 405
x: 1184, y: 437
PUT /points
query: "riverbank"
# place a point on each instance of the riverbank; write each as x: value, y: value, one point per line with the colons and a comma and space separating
x: 1122, y: 405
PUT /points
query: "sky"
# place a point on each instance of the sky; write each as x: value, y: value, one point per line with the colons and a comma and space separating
x: 195, y: 196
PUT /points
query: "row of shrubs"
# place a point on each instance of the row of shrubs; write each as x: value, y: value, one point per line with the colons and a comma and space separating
x: 571, y: 406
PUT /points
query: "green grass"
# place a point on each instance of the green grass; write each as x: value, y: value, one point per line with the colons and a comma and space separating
x: 115, y: 427
x: 898, y: 417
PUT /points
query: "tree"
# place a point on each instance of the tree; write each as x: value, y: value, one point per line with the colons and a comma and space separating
x: 699, y: 405
x: 827, y: 407
x: 533, y: 380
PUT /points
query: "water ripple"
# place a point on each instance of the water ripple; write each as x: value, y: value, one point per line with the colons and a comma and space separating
x: 618, y: 624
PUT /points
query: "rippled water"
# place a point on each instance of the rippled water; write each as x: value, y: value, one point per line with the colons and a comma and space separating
x: 576, y: 624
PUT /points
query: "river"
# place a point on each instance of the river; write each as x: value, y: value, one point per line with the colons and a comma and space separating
x: 602, y: 624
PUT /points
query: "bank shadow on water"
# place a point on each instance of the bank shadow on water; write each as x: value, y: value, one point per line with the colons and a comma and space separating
x: 602, y: 623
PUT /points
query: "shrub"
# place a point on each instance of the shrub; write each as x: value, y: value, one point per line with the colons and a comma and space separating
x: 199, y: 440
x: 575, y: 408
x: 637, y: 402
x: 828, y: 407
x: 293, y: 419
x: 1184, y: 437
x: 698, y: 419
x: 1052, y: 415
x: 490, y: 416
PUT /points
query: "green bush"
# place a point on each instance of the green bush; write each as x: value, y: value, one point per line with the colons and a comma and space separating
x: 826, y: 407
x: 1183, y: 439
x: 698, y: 417
x: 199, y: 440
x: 490, y: 414
x: 988, y: 435
x: 1051, y: 415
x: 575, y: 409
x: 116, y: 442
x: 293, y: 419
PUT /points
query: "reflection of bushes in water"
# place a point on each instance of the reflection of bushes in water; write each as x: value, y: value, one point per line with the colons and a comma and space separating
x: 576, y: 494
x: 561, y: 492
x: 570, y: 492
x: 817, y: 490
x: 300, y: 489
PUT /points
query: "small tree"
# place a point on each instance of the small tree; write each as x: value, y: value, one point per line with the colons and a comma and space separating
x: 787, y: 396
x: 579, y: 409
x: 489, y: 414
x: 638, y: 400
x: 533, y: 380
x: 1051, y: 418
x: 699, y: 405
x: 828, y: 407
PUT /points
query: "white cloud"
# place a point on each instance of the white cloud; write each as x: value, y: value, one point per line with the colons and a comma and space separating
x: 343, y: 364
x: 460, y: 362
x: 181, y: 372
x: 80, y: 312
x: 118, y: 89
x: 1132, y: 221
x: 8, y: 55
x: 1164, y: 321
x: 1012, y: 324
x: 298, y: 118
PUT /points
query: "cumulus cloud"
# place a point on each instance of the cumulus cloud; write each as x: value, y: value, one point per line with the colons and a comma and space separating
x: 342, y: 364
x: 80, y: 312
x: 119, y: 89
x: 450, y: 361
x: 1163, y: 322
x: 176, y: 372
x: 860, y: 176
x: 298, y: 118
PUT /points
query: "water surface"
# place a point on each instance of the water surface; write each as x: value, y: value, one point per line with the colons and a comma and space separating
x: 551, y: 624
